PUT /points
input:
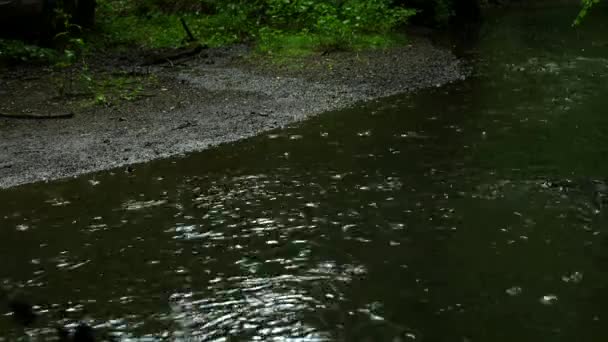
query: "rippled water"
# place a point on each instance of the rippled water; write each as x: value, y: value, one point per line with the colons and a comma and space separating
x: 473, y: 212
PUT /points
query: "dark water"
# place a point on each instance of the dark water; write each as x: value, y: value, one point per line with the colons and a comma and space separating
x: 473, y: 212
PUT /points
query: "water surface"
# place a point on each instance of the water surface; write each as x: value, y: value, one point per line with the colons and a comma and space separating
x: 473, y: 212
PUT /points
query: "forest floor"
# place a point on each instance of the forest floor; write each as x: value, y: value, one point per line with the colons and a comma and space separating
x: 133, y: 112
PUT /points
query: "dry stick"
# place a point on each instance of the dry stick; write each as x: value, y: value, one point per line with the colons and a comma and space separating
x: 188, y: 32
x: 174, y: 55
x: 191, y: 50
x: 36, y: 116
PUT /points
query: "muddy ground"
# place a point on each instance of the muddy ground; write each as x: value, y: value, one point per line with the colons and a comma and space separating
x: 218, y: 96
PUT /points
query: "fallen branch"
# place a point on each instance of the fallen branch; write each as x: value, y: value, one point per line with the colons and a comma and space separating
x: 188, y: 32
x: 175, y: 55
x: 36, y: 116
x: 145, y: 95
x: 193, y: 48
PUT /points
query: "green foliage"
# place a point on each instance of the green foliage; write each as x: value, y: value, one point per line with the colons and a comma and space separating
x: 289, y: 45
x: 331, y: 15
x: 162, y: 30
x: 307, y: 24
x: 284, y: 45
x: 338, y: 25
x: 19, y: 51
x: 586, y: 6
x: 73, y: 48
x: 293, y: 27
x: 153, y: 31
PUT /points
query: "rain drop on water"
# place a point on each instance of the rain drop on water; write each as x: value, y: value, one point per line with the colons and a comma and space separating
x: 575, y: 277
x: 514, y: 291
x: 549, y: 299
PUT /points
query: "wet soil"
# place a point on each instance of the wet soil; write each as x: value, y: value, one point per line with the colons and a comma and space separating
x: 219, y: 96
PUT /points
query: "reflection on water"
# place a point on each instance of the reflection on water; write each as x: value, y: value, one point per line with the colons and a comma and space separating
x: 470, y: 213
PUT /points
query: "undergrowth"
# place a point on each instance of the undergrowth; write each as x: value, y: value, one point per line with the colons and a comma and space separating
x: 293, y: 27
x: 17, y: 50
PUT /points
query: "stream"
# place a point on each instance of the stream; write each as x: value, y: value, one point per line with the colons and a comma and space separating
x: 471, y: 212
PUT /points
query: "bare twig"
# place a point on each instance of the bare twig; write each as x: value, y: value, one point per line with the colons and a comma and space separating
x: 36, y: 115
x: 188, y: 32
x: 174, y: 55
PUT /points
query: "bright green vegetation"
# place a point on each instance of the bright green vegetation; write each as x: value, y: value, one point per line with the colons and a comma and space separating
x: 160, y: 30
x: 586, y: 6
x: 275, y: 26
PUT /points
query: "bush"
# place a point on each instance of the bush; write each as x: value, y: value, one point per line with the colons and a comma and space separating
x: 319, y: 15
x: 337, y: 24
x: 301, y: 24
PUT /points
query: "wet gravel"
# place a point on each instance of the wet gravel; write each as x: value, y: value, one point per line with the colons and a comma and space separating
x: 223, y: 96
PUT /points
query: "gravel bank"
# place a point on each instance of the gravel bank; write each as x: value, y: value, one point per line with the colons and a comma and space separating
x: 216, y: 99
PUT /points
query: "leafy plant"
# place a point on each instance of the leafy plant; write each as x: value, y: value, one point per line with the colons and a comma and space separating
x: 311, y: 23
x: 292, y: 26
x: 586, y: 6
x: 19, y: 51
x: 331, y: 25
